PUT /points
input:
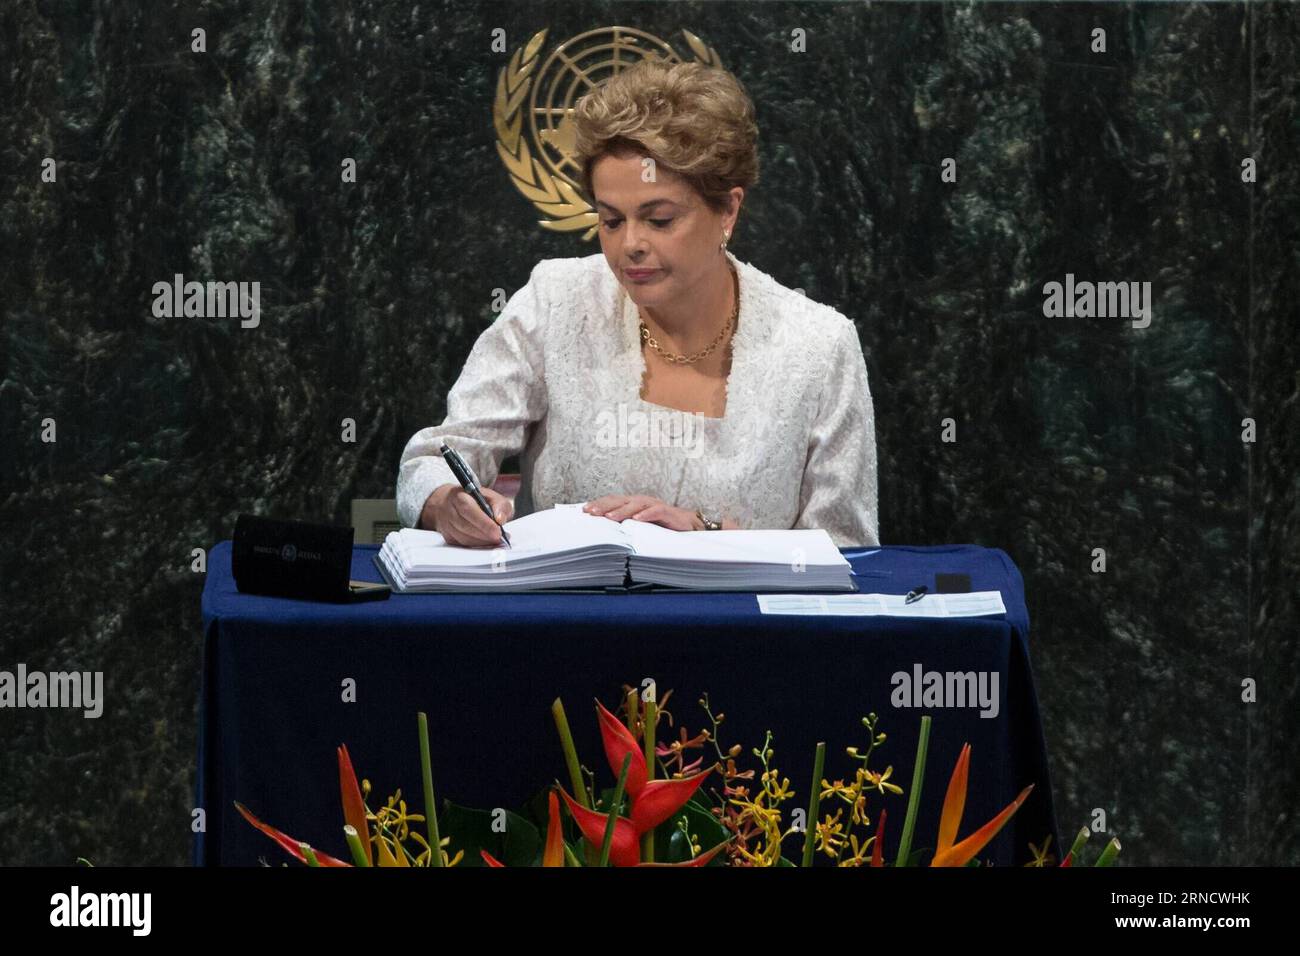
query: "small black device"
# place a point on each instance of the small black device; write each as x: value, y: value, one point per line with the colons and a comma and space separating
x: 952, y: 583
x: 296, y: 559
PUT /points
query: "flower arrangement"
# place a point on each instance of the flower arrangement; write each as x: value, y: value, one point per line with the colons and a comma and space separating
x: 659, y: 813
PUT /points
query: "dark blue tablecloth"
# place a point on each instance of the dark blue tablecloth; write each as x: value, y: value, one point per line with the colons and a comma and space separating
x: 485, y: 668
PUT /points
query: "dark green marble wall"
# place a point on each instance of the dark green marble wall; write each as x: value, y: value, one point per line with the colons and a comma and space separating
x: 1073, y: 434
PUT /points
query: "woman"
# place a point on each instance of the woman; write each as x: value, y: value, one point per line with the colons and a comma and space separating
x: 662, y: 379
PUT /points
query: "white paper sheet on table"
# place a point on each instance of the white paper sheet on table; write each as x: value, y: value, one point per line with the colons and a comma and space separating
x: 972, y: 604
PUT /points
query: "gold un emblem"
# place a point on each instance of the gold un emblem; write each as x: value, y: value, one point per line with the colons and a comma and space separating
x: 546, y: 172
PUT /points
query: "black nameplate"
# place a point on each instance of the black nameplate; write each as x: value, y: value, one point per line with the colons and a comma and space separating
x: 292, y: 559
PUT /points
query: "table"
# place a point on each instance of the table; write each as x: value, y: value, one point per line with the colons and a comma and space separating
x: 485, y: 668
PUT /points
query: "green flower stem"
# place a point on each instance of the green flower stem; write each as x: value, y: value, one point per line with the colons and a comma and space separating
x: 1108, y: 855
x: 914, y: 798
x: 355, y: 845
x: 615, y: 803
x: 814, y: 803
x: 570, y: 754
x: 568, y: 855
x: 1077, y: 846
x: 312, y: 861
x: 430, y: 808
x: 576, y: 782
x: 632, y: 709
x: 648, y: 839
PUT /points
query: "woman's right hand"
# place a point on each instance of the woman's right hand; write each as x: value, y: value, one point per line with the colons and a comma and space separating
x: 455, y: 515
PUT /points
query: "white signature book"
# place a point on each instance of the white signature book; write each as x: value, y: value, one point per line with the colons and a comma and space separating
x: 564, y: 547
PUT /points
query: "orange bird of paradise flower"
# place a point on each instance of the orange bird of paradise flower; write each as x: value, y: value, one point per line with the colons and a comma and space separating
x: 948, y: 853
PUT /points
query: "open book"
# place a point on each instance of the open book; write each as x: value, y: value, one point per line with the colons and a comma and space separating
x: 567, y: 548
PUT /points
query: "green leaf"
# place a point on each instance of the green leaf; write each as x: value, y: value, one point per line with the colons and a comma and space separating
x: 671, y: 845
x: 471, y: 830
x: 605, y: 796
x: 537, y: 811
x: 678, y: 847
x: 704, y: 824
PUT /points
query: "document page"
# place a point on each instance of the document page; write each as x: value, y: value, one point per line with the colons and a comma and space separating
x: 780, y: 547
x: 974, y: 604
x: 542, y: 534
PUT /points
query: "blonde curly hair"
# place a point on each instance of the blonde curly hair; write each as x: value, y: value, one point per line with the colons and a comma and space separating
x: 694, y: 120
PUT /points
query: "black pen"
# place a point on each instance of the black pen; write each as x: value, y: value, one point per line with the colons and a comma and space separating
x: 915, y: 595
x: 469, y: 481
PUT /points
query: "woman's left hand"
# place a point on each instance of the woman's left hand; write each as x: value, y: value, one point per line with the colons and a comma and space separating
x: 642, y: 508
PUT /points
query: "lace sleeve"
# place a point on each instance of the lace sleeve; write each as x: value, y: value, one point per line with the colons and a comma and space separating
x: 500, y: 393
x: 839, y: 487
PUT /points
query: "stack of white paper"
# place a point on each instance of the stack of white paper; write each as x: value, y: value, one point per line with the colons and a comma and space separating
x: 565, y: 547
x: 805, y: 559
x: 548, y: 549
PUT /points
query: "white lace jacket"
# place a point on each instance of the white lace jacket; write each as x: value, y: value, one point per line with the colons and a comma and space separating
x: 557, y: 378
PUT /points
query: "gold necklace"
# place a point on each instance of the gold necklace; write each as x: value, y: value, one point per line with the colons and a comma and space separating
x: 677, y: 359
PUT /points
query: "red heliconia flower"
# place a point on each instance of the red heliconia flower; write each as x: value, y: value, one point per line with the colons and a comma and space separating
x: 700, y: 860
x: 553, y: 855
x: 354, y: 814
x: 354, y: 807
x: 624, y: 849
x: 652, y: 801
x: 878, y: 851
x: 294, y: 847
